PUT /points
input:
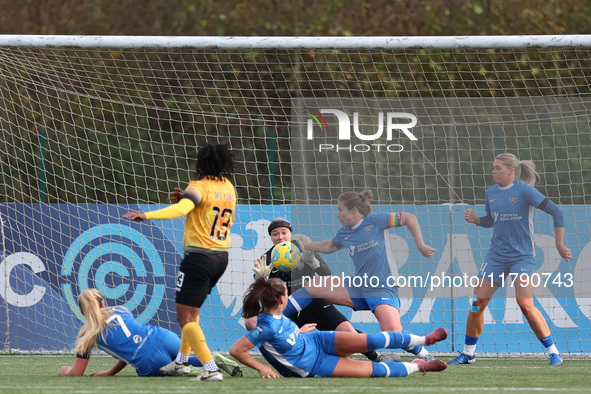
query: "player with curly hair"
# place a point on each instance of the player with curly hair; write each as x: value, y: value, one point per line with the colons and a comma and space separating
x: 209, y: 202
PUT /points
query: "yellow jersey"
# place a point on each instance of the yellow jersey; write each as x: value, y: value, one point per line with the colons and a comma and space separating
x: 208, y: 224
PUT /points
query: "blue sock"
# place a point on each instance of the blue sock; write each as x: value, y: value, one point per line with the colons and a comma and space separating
x: 298, y: 300
x: 194, y: 361
x: 379, y: 370
x: 389, y: 369
x: 470, y: 340
x: 414, y: 350
x: 387, y: 339
x: 548, y: 341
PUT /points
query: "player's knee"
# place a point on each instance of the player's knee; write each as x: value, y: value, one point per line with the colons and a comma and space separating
x: 526, y: 305
x: 478, y: 305
x: 346, y: 326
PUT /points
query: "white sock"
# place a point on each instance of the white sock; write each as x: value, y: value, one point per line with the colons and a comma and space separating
x: 552, y: 349
x: 211, y: 366
x: 415, y: 340
x: 181, y: 358
x: 469, y: 350
x: 423, y: 353
x: 411, y: 367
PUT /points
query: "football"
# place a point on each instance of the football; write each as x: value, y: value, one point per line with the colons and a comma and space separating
x: 285, y: 256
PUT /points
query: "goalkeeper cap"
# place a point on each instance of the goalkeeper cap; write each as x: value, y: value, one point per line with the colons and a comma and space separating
x: 279, y: 222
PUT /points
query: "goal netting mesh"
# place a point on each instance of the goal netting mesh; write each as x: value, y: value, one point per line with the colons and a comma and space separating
x: 88, y: 134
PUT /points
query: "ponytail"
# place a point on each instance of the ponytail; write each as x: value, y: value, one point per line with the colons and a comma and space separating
x: 528, y: 172
x: 524, y: 170
x: 262, y: 295
x: 357, y: 200
x: 91, y: 303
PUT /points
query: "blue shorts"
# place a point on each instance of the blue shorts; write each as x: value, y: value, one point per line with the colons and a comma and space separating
x: 326, y: 362
x: 368, y: 298
x: 149, y: 364
x: 322, y: 344
x: 165, y: 353
x: 496, y: 271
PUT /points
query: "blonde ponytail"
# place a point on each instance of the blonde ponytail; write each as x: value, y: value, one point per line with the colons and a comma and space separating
x: 524, y: 170
x: 91, y: 303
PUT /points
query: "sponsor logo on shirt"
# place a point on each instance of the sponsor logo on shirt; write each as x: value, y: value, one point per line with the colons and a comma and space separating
x: 510, y: 216
x: 513, y: 199
x: 495, y: 215
x: 361, y: 247
x: 503, y: 217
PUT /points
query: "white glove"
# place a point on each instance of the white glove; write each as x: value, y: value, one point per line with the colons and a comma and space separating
x: 307, y: 255
x: 261, y: 269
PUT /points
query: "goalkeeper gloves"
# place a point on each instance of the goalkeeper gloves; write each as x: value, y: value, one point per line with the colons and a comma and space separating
x: 308, y: 256
x: 261, y: 269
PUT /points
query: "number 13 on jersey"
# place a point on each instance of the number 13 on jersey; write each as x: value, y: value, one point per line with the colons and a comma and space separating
x: 221, y: 220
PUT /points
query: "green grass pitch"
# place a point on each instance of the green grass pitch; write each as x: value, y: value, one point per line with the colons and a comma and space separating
x: 39, y: 374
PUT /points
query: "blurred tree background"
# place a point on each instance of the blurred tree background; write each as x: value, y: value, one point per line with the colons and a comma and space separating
x: 131, y: 138
x: 295, y: 17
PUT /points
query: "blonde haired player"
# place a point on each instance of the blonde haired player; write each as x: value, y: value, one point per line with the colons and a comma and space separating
x: 114, y: 330
x: 509, y: 206
x: 209, y: 203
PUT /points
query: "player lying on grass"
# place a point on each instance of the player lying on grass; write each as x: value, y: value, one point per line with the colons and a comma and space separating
x: 114, y: 330
x: 301, y: 353
x: 209, y: 204
x: 321, y: 312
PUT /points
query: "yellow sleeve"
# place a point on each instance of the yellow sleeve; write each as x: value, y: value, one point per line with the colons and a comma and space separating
x: 180, y: 209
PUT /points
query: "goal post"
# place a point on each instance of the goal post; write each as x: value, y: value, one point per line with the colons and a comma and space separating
x: 95, y: 126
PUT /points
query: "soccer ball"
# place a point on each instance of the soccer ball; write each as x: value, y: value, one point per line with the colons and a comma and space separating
x: 285, y: 256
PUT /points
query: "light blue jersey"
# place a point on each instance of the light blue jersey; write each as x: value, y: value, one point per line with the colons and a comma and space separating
x: 292, y: 353
x: 368, y: 246
x: 145, y: 347
x: 511, y: 209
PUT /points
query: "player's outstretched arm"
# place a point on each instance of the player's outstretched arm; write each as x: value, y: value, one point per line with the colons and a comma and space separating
x: 174, y: 211
x: 409, y: 220
x: 77, y: 369
x: 119, y: 365
x: 135, y: 216
x: 239, y: 351
x: 325, y: 246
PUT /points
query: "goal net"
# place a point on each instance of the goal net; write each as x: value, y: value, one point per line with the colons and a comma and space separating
x: 93, y: 127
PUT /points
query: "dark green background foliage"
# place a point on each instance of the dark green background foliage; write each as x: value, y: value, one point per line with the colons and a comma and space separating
x: 122, y: 126
x: 295, y: 17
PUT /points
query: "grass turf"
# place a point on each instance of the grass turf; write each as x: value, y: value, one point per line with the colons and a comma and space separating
x: 39, y: 374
